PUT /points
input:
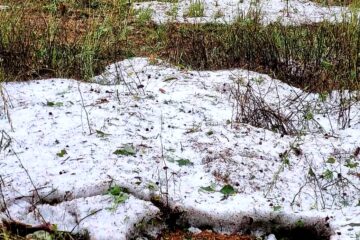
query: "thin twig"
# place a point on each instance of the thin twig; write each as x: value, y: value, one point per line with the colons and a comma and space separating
x: 82, y: 219
x: 86, y: 113
x: 6, y: 107
x: 2, y: 183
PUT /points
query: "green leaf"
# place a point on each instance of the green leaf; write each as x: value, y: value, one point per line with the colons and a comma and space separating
x: 101, y: 133
x: 184, y: 162
x: 326, y: 65
x: 209, y: 133
x: 39, y: 235
x: 331, y: 160
x: 299, y: 223
x: 309, y: 115
x: 277, y: 208
x: 228, y: 190
x: 126, y: 151
x: 119, y: 195
x: 328, y: 174
x: 323, y: 96
x: 350, y: 164
x: 167, y: 79
x: 61, y: 153
x: 210, y: 188
x: 115, y: 190
x: 54, y: 104
x: 121, y: 198
x: 311, y: 172
x: 152, y: 186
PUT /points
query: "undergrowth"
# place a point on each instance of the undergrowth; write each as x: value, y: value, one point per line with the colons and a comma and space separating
x: 78, y: 39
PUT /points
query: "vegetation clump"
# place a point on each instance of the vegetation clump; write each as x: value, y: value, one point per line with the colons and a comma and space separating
x: 71, y: 39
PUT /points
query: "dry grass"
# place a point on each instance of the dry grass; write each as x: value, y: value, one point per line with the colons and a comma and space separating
x: 349, y: 3
x: 78, y: 39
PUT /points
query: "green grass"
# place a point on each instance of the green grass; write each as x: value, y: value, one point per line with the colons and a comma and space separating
x: 81, y: 40
x: 144, y: 16
x: 317, y: 57
x: 349, y: 3
x: 196, y: 9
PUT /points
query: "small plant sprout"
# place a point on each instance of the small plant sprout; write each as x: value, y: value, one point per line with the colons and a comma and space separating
x: 62, y: 153
x: 276, y: 208
x: 119, y: 195
x: 228, y: 190
x: 127, y: 150
x: 184, y: 162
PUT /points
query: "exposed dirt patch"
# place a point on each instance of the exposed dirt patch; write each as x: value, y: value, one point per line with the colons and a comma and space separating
x: 204, y: 235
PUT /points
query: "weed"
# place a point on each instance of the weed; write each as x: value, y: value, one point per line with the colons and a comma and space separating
x: 128, y: 150
x: 228, y: 190
x: 184, y: 162
x: 62, y: 153
x: 119, y: 195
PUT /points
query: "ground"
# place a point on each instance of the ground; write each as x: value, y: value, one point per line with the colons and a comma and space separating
x: 145, y: 148
x: 155, y: 132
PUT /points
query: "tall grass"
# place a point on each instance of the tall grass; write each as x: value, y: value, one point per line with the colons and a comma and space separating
x: 81, y: 40
x: 317, y: 57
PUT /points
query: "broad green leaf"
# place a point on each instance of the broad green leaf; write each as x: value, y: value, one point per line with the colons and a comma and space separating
x: 184, y: 162
x: 126, y: 151
x: 61, y: 153
x: 331, y: 160
x: 115, y: 190
x: 350, y: 164
x: 210, y: 132
x: 228, y: 190
x: 328, y: 174
x: 119, y: 195
x: 277, y: 208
